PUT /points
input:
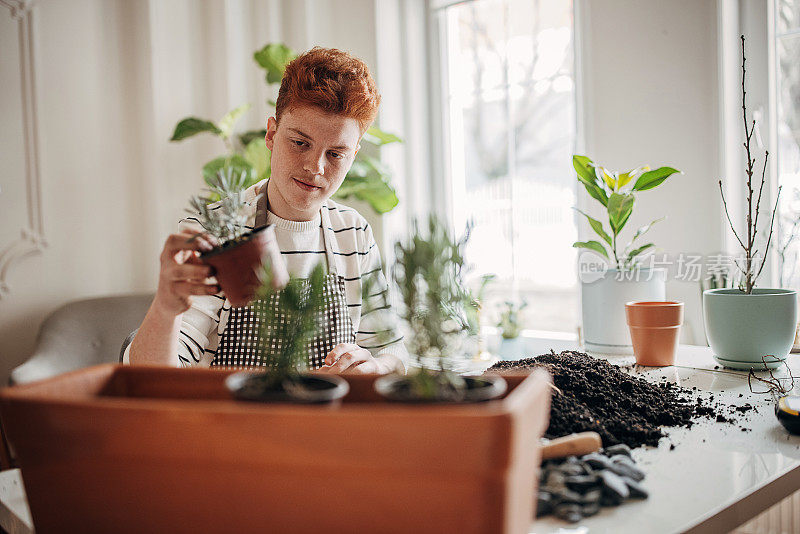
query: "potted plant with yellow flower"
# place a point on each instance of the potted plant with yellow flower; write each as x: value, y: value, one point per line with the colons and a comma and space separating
x: 618, y: 277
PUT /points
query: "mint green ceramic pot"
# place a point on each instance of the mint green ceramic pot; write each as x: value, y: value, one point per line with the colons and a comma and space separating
x: 741, y: 328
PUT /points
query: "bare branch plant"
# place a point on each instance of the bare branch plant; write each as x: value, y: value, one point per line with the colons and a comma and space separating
x: 751, y: 269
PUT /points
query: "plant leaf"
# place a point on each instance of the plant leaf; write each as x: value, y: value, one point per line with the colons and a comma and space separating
x: 586, y: 175
x: 597, y: 226
x: 639, y: 250
x: 378, y: 137
x: 584, y: 167
x: 257, y: 156
x: 248, y: 136
x: 273, y: 58
x: 651, y: 179
x: 226, y: 124
x: 644, y: 229
x: 626, y: 177
x: 368, y: 180
x: 595, y: 192
x: 193, y: 126
x: 596, y: 246
x: 620, y: 207
x: 235, y: 162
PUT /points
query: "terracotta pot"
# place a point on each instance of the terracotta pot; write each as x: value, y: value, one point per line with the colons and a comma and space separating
x: 147, y: 449
x: 305, y: 388
x: 238, y: 265
x: 655, y: 328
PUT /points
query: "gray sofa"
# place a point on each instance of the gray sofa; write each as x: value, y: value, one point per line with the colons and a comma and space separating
x: 82, y: 333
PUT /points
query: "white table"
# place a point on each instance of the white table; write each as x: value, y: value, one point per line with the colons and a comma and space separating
x: 15, y: 516
x: 718, y: 476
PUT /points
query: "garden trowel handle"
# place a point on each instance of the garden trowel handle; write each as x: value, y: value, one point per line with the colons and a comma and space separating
x: 572, y: 445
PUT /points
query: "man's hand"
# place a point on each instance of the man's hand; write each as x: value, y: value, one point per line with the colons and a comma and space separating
x: 350, y: 358
x: 182, y: 274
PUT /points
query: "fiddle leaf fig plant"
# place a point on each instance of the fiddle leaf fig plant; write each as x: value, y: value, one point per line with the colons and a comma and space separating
x: 368, y: 179
x: 616, y: 191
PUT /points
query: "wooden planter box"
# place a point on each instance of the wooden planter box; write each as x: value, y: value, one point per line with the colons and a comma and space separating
x: 144, y: 449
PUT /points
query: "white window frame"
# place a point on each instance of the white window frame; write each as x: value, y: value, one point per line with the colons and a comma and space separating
x: 774, y: 147
x: 441, y: 187
x: 755, y: 19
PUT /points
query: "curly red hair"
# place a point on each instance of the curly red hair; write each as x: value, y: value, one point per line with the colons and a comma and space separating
x: 331, y: 80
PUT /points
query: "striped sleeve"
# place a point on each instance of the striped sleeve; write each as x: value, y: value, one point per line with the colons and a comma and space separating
x: 197, y: 337
x: 199, y: 322
x: 378, y: 330
x: 198, y: 325
x: 197, y: 333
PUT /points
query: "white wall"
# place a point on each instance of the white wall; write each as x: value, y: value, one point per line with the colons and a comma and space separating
x: 651, y: 97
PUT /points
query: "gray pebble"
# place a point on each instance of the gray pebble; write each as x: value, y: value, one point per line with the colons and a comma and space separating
x: 596, y: 461
x: 620, y: 448
x: 581, y: 483
x: 589, y: 510
x: 544, y: 503
x: 608, y: 500
x: 613, y: 485
x: 572, y: 469
x: 637, y: 491
x: 587, y: 470
x: 592, y: 496
x: 626, y: 469
x: 553, y: 491
x: 574, y: 488
x: 569, y: 512
x: 554, y: 478
x: 569, y: 496
x: 622, y: 459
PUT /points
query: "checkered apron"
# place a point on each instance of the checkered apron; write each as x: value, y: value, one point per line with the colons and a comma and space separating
x: 238, y: 345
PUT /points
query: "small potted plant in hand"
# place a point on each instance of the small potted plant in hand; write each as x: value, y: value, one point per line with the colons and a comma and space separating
x: 620, y: 278
x: 428, y: 272
x: 240, y: 252
x: 289, y: 319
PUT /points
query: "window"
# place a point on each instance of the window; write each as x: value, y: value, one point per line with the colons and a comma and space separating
x: 510, y: 123
x: 787, y: 76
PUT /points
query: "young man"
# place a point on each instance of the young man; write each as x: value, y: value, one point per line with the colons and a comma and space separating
x: 326, y: 101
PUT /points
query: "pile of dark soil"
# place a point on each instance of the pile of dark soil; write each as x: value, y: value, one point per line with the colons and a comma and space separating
x: 596, y: 395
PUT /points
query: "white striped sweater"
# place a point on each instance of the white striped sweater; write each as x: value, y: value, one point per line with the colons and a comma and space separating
x: 302, y: 247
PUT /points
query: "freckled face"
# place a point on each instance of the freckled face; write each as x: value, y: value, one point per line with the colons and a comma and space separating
x: 311, y: 153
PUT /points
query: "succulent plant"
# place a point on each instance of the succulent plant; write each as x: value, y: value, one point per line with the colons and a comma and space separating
x: 224, y: 219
